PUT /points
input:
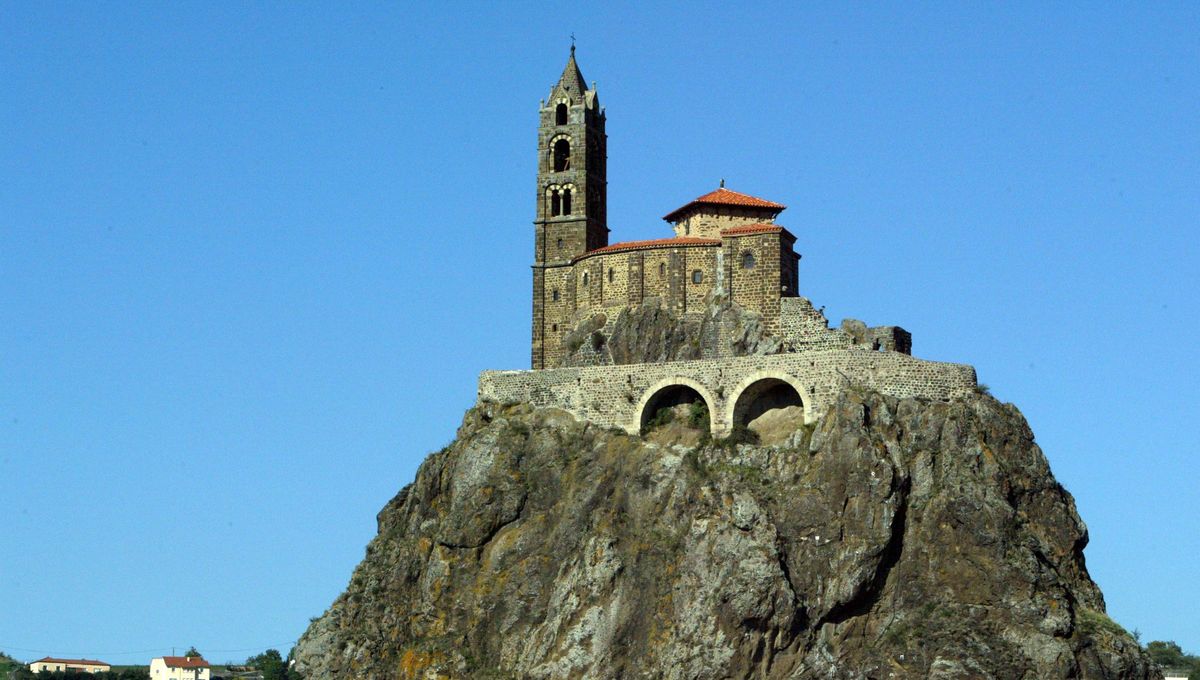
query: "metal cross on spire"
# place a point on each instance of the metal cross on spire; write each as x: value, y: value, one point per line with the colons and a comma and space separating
x: 572, y: 42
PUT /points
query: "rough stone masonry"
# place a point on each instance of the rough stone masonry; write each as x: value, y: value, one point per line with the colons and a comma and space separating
x: 726, y: 249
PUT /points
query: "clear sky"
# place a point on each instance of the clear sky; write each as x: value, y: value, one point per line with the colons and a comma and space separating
x: 254, y: 255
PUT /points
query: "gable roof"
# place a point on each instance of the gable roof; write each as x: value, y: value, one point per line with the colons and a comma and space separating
x: 723, y: 196
x: 75, y: 662
x: 185, y: 662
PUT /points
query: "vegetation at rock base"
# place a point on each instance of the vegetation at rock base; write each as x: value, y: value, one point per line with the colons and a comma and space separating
x: 8, y: 665
x: 273, y: 666
x: 662, y: 416
x: 1170, y: 656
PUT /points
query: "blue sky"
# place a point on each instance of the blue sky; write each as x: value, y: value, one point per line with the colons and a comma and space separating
x: 253, y: 257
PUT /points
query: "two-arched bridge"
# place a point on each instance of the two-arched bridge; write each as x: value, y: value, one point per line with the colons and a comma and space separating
x: 735, y: 390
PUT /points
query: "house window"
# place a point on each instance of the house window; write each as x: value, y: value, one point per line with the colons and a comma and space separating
x: 560, y: 114
x: 662, y: 268
x: 585, y: 279
x: 747, y: 260
x: 554, y: 328
x: 610, y: 274
x: 554, y: 295
x: 697, y: 276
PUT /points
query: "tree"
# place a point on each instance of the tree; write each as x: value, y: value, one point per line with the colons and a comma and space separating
x: 193, y: 652
x: 1166, y: 654
x: 271, y: 664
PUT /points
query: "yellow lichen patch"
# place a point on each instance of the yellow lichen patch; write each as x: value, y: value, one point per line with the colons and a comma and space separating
x: 414, y: 663
x: 987, y: 454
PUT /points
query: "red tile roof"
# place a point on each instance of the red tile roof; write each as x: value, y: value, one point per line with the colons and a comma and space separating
x: 723, y: 196
x: 185, y: 662
x: 74, y: 662
x: 678, y: 241
x: 744, y: 229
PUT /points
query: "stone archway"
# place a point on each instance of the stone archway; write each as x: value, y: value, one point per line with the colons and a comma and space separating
x: 671, y: 392
x: 764, y: 397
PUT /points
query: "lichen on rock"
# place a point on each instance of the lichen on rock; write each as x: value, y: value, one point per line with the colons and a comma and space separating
x: 894, y: 538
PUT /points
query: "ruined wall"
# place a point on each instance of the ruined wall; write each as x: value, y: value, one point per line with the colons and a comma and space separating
x: 803, y: 328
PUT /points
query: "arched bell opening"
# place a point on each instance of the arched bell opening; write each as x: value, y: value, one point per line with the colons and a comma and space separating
x: 561, y: 155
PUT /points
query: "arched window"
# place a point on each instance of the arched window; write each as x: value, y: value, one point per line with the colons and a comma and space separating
x: 560, y: 114
x: 555, y: 204
x: 747, y: 260
x: 566, y: 202
x: 554, y: 294
x: 585, y: 279
x: 560, y: 244
x: 610, y: 274
x: 562, y: 155
x: 554, y: 328
x: 662, y: 268
x: 697, y: 276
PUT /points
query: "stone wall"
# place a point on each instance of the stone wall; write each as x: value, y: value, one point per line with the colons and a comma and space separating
x: 709, y: 221
x: 684, y: 277
x: 803, y: 328
x: 617, y: 396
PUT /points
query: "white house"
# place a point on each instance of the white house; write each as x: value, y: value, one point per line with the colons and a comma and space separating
x: 52, y: 664
x: 179, y: 668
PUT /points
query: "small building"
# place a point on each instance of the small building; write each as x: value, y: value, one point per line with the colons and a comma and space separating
x: 179, y: 668
x: 50, y: 664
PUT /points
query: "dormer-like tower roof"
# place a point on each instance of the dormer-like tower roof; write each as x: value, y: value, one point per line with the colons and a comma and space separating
x: 727, y: 197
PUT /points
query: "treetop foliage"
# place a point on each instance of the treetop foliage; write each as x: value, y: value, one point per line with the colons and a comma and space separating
x: 1169, y: 655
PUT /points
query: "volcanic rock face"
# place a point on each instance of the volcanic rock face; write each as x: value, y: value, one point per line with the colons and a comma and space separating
x: 891, y: 539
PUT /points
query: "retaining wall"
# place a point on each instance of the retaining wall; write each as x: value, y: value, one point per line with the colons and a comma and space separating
x: 616, y: 396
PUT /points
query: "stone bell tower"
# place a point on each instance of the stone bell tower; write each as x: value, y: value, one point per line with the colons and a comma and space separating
x: 571, y: 192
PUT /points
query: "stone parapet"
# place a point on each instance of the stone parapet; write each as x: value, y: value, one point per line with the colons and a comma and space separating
x: 618, y: 396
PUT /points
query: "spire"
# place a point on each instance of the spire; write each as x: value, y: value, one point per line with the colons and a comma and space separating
x: 572, y: 78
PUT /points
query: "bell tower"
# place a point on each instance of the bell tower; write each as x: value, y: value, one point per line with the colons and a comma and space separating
x: 571, y: 216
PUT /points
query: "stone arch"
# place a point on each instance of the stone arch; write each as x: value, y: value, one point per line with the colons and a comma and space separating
x: 560, y: 154
x: 659, y: 394
x: 761, y: 389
